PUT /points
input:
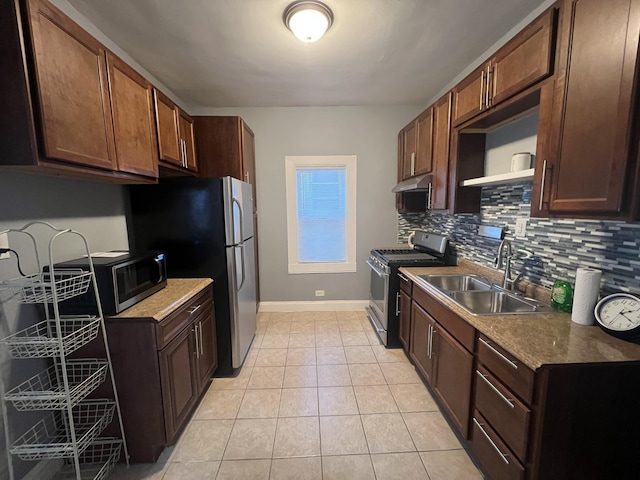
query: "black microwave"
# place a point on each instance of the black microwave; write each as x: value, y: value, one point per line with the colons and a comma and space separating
x: 123, y: 279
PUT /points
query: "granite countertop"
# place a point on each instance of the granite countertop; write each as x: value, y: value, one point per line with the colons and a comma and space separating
x: 537, y: 339
x: 165, y: 301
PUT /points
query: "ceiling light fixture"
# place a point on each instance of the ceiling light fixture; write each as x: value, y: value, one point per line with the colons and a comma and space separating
x: 308, y: 20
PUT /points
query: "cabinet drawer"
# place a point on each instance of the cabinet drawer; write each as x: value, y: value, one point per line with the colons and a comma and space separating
x: 452, y: 323
x: 405, y: 284
x: 506, y: 414
x: 511, y: 372
x: 496, y: 459
x: 182, y: 316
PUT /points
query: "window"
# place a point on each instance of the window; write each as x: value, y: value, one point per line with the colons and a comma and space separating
x: 321, y: 213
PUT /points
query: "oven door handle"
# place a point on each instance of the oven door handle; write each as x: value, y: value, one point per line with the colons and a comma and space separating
x: 375, y: 269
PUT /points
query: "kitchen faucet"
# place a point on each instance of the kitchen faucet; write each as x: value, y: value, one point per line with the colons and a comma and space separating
x: 503, y: 260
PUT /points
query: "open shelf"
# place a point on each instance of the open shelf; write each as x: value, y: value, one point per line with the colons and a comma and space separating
x: 501, y: 179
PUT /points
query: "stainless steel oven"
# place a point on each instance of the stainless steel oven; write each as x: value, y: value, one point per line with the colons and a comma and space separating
x: 384, y: 294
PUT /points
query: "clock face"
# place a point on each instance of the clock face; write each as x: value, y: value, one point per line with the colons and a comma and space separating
x: 619, y: 312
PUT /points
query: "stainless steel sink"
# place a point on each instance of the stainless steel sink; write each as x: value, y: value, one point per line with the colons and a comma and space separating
x: 451, y: 283
x: 495, y: 302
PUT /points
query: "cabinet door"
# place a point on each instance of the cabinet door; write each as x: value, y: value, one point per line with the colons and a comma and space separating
x: 133, y: 121
x: 207, y: 358
x: 441, y: 141
x: 167, y: 129
x: 179, y: 382
x: 420, y: 342
x: 185, y: 123
x: 72, y: 89
x: 249, y: 160
x: 404, y: 331
x: 523, y: 61
x: 409, y: 152
x: 453, y: 370
x: 469, y: 96
x: 591, y: 141
x: 424, y: 144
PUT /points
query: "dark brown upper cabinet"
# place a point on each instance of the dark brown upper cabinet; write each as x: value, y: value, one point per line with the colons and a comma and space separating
x: 176, y: 147
x: 417, y: 148
x: 226, y: 147
x: 70, y: 107
x: 587, y: 164
x: 441, y: 141
x: 522, y: 62
x: 133, y: 119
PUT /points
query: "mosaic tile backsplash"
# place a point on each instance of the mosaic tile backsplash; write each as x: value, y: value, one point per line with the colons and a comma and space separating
x: 559, y: 246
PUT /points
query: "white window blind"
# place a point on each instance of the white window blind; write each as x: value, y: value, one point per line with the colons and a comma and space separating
x: 321, y: 214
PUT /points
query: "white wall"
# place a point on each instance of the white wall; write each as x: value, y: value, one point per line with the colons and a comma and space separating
x: 501, y: 144
x: 369, y: 133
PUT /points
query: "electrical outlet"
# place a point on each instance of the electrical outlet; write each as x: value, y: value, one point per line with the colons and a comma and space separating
x: 521, y: 227
x: 4, y: 243
x: 319, y: 293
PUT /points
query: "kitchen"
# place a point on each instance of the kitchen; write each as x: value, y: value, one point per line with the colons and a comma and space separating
x: 370, y: 132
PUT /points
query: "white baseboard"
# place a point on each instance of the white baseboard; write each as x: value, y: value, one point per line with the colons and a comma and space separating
x: 314, y: 306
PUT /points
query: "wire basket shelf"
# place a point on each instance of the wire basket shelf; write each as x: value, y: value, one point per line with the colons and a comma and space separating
x: 50, y: 437
x: 46, y: 391
x: 39, y: 287
x: 95, y: 462
x: 40, y: 340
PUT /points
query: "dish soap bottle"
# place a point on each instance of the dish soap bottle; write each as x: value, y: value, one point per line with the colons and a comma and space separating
x: 562, y: 296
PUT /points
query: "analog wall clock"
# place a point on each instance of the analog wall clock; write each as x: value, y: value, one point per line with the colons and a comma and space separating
x: 619, y: 315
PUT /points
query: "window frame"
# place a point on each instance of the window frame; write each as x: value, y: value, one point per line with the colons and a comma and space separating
x: 292, y: 164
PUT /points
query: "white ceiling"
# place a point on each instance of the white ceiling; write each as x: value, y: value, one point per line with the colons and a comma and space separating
x: 238, y: 53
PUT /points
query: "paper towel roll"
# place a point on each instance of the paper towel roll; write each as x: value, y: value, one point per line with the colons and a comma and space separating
x: 585, y: 295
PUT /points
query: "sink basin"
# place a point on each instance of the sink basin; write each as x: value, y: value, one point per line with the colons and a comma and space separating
x: 495, y: 302
x: 451, y: 283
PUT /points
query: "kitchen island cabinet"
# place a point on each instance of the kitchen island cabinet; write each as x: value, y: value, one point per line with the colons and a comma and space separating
x: 164, y: 353
x: 543, y: 393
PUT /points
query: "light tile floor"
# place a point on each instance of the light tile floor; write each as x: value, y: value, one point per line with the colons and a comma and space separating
x: 318, y: 398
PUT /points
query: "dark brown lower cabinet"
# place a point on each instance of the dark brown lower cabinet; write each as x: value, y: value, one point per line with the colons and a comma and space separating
x: 422, y: 326
x: 162, y: 367
x: 179, y: 382
x: 453, y: 368
x: 444, y: 363
x: 404, y: 328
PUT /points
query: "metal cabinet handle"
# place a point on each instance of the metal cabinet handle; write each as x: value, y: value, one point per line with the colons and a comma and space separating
x: 194, y: 330
x: 413, y: 164
x: 544, y: 176
x: 490, y: 347
x: 246, y: 176
x: 194, y: 309
x: 430, y: 196
x: 487, y: 93
x: 482, y: 90
x: 430, y: 342
x: 502, y: 455
x: 201, y: 339
x: 506, y: 400
x: 397, y: 304
x: 402, y: 277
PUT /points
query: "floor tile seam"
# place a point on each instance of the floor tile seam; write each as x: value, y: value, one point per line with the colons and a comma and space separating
x: 410, y: 434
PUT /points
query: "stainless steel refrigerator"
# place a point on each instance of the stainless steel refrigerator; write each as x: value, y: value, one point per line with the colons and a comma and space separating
x: 205, y: 227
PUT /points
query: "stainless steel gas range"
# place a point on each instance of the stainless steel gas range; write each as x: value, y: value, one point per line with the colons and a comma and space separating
x: 429, y: 249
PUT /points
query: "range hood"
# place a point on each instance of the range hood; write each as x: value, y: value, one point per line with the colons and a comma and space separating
x: 415, y: 184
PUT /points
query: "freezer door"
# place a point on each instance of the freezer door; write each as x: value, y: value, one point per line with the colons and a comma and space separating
x: 242, y: 290
x: 238, y: 210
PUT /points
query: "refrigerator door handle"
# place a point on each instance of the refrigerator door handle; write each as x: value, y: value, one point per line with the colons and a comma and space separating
x: 240, y: 219
x: 241, y: 246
